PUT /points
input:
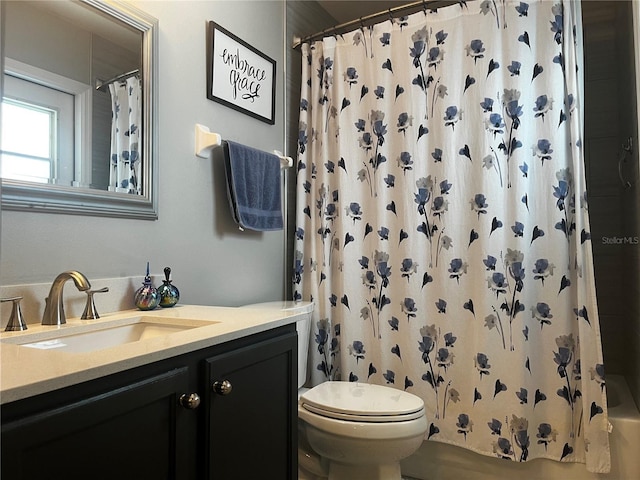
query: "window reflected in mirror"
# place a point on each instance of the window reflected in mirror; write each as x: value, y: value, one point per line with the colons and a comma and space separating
x: 37, y: 133
x: 111, y: 160
x: 78, y: 122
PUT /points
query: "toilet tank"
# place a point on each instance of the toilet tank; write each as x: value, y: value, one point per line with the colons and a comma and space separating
x: 303, y: 328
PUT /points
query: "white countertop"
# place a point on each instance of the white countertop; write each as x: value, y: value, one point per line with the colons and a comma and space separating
x: 25, y: 371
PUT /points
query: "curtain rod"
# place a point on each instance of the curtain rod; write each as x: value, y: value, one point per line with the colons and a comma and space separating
x: 409, y: 8
x: 100, y: 85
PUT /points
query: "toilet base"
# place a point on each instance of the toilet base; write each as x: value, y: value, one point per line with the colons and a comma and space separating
x: 338, y: 471
x: 310, y: 465
x: 305, y: 475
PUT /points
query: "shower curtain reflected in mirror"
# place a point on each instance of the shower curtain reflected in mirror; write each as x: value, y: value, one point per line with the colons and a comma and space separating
x: 125, y: 136
x: 442, y: 225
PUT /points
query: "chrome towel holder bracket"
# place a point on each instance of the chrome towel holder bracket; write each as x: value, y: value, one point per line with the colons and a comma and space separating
x: 207, y: 141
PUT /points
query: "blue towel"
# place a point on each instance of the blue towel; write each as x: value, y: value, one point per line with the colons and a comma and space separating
x: 253, y: 187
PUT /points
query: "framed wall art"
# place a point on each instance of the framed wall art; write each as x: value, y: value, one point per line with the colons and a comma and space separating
x: 239, y: 76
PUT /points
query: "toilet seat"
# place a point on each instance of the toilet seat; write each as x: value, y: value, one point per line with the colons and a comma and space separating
x: 362, y: 402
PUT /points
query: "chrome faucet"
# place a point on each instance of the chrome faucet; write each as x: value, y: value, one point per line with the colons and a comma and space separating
x: 54, y: 308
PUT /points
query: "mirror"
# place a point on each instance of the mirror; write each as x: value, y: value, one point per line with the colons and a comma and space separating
x: 79, y: 123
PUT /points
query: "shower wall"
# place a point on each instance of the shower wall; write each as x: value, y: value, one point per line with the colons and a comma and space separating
x: 610, y: 119
x: 631, y: 197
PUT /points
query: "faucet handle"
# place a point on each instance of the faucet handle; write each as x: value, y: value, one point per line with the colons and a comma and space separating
x: 90, y: 312
x: 16, y: 321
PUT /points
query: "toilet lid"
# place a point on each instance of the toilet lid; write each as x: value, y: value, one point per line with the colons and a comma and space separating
x: 362, y: 402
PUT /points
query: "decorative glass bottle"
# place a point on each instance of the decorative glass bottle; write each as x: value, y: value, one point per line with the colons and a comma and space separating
x: 169, y: 294
x: 146, y: 297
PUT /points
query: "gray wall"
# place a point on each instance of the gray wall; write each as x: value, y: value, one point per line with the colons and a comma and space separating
x: 212, y: 261
x: 33, y: 33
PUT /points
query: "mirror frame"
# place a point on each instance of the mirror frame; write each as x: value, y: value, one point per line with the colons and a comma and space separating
x: 34, y: 197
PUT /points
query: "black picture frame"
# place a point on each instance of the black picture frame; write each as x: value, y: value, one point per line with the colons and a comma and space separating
x: 239, y: 76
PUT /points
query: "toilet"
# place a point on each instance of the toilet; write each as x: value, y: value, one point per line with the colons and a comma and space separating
x: 349, y: 430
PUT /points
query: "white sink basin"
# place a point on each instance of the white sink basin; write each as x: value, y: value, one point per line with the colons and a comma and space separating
x: 97, y: 336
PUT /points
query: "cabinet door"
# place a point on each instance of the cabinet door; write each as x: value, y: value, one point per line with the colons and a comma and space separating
x: 133, y: 432
x: 252, y: 429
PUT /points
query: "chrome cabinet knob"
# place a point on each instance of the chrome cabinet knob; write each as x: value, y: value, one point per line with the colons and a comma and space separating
x: 190, y: 400
x: 222, y: 388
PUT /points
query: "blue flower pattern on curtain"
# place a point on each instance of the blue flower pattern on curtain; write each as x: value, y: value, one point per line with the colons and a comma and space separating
x: 442, y: 225
x: 126, y: 137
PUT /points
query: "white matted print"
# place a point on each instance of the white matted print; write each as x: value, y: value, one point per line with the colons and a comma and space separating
x: 239, y: 76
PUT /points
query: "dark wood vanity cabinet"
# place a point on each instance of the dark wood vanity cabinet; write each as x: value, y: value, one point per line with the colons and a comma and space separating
x: 138, y: 424
x: 251, y: 412
x: 106, y: 434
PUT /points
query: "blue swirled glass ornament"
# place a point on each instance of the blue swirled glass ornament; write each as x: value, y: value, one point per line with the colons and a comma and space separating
x: 147, y: 297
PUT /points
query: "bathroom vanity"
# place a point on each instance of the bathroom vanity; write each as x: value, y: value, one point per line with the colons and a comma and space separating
x: 214, y: 402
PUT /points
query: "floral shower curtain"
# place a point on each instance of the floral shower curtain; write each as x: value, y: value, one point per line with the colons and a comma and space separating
x: 125, y: 136
x: 442, y: 226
